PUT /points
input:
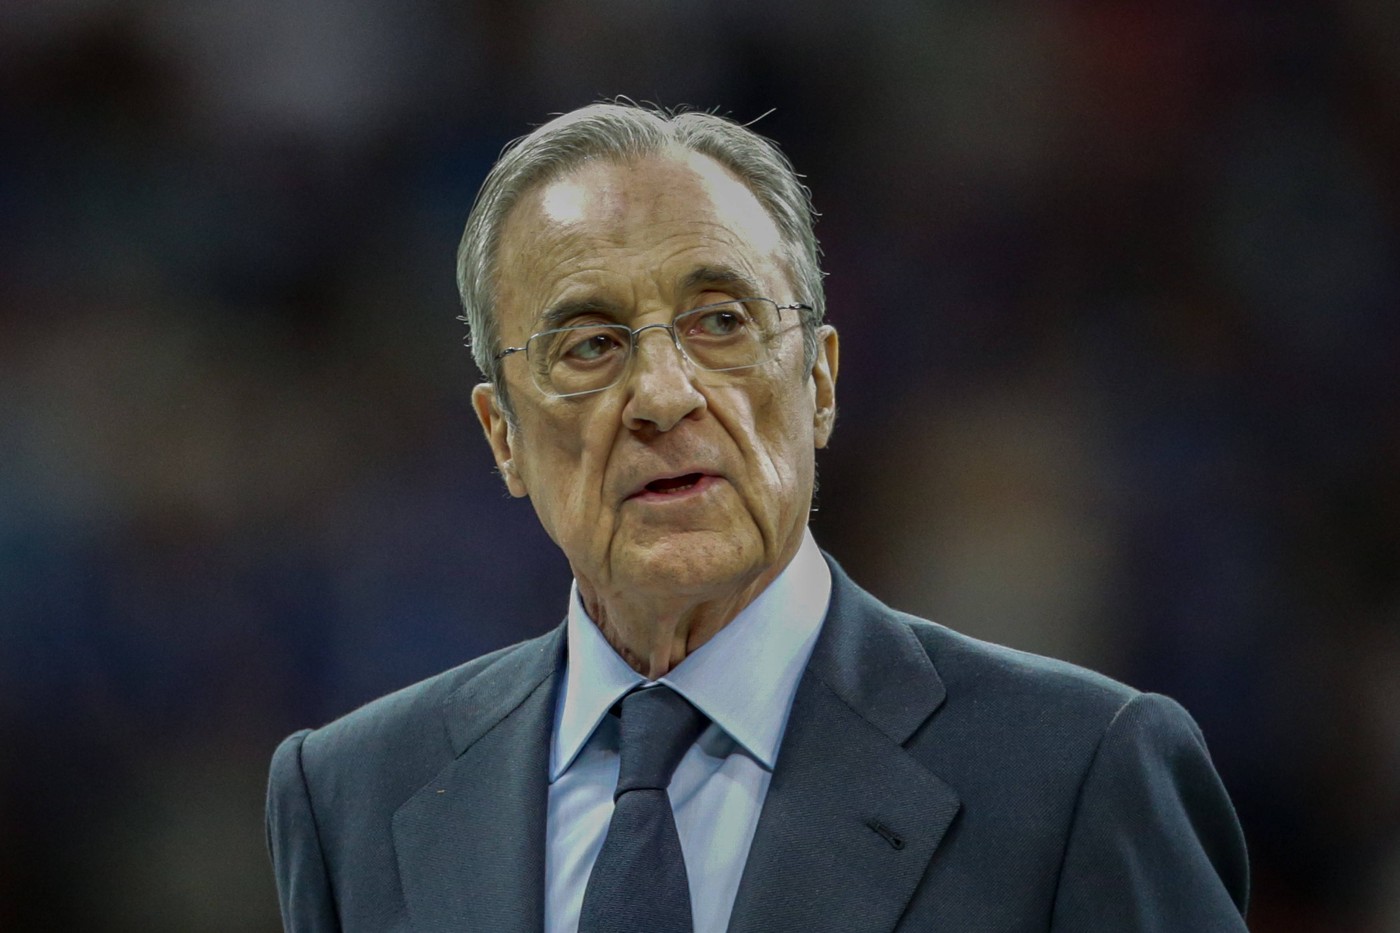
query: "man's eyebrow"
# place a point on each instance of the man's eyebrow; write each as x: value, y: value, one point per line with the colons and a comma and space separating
x: 725, y: 277
x: 716, y: 277
x: 561, y: 314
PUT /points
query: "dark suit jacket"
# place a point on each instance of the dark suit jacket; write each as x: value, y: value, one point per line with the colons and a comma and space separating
x: 926, y: 781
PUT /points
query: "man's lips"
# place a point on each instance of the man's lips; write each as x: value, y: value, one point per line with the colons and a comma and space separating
x: 673, y: 485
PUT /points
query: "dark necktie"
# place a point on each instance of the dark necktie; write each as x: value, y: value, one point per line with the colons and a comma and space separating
x: 639, y: 884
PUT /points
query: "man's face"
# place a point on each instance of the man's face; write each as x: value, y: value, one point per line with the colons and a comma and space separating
x: 675, y: 482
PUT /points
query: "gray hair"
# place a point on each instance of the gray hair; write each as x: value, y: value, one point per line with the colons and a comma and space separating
x: 621, y: 131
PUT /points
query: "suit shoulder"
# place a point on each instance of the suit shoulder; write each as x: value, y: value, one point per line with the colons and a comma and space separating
x: 985, y: 679
x: 1027, y: 715
x: 409, y: 719
x: 981, y: 671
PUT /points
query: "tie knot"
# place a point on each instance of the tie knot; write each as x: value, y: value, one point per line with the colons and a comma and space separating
x: 658, y: 725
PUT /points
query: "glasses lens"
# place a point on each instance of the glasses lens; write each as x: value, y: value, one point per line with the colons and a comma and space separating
x: 574, y: 360
x: 730, y: 335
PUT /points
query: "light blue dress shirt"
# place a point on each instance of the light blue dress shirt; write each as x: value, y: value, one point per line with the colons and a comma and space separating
x: 744, y: 679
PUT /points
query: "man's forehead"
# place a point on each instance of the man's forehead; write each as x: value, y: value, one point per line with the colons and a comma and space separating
x: 677, y: 217
x: 567, y: 200
x: 677, y: 185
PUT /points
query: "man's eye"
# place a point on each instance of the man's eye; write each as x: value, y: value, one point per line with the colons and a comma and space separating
x: 589, y: 346
x: 721, y: 322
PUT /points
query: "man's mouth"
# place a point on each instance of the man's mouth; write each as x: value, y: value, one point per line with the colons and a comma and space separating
x: 674, y: 483
x: 675, y: 488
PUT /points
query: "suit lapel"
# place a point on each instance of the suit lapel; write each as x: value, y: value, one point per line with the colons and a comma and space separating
x: 851, y: 820
x: 470, y: 843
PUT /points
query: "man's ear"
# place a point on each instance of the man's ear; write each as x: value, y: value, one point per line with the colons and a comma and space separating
x: 824, y: 369
x: 500, y: 435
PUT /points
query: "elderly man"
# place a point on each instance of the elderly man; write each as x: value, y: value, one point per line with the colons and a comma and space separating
x: 725, y: 733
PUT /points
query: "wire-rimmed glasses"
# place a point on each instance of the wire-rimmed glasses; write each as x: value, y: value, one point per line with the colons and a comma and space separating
x: 721, y: 337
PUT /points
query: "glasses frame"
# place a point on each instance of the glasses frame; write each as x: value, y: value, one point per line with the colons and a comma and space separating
x: 634, y: 335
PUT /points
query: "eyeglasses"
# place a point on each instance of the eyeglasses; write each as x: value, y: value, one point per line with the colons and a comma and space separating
x: 720, y: 337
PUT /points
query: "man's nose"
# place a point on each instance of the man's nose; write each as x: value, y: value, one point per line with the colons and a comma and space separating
x: 661, y: 386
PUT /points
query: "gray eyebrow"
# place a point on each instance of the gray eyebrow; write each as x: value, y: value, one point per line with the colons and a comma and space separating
x: 726, y: 277
x: 561, y: 314
x: 720, y: 277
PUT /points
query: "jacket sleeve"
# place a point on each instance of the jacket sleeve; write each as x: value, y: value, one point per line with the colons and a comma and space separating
x: 1154, y: 844
x: 293, y: 840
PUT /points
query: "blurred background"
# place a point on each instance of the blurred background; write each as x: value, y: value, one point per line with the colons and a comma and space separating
x: 1117, y: 282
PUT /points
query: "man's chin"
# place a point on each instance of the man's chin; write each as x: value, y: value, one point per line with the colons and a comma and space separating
x: 688, y: 563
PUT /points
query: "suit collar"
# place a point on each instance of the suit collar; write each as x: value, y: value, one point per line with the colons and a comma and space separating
x: 470, y: 842
x: 482, y: 702
x: 873, y: 662
x: 851, y: 820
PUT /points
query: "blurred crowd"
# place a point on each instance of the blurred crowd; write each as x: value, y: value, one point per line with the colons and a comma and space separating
x: 1117, y: 282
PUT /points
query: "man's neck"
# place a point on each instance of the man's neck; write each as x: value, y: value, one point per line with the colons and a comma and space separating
x: 654, y: 635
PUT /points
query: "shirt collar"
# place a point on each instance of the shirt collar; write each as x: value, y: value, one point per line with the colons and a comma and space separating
x: 744, y: 678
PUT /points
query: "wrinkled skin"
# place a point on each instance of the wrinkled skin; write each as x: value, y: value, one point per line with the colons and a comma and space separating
x: 660, y: 572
